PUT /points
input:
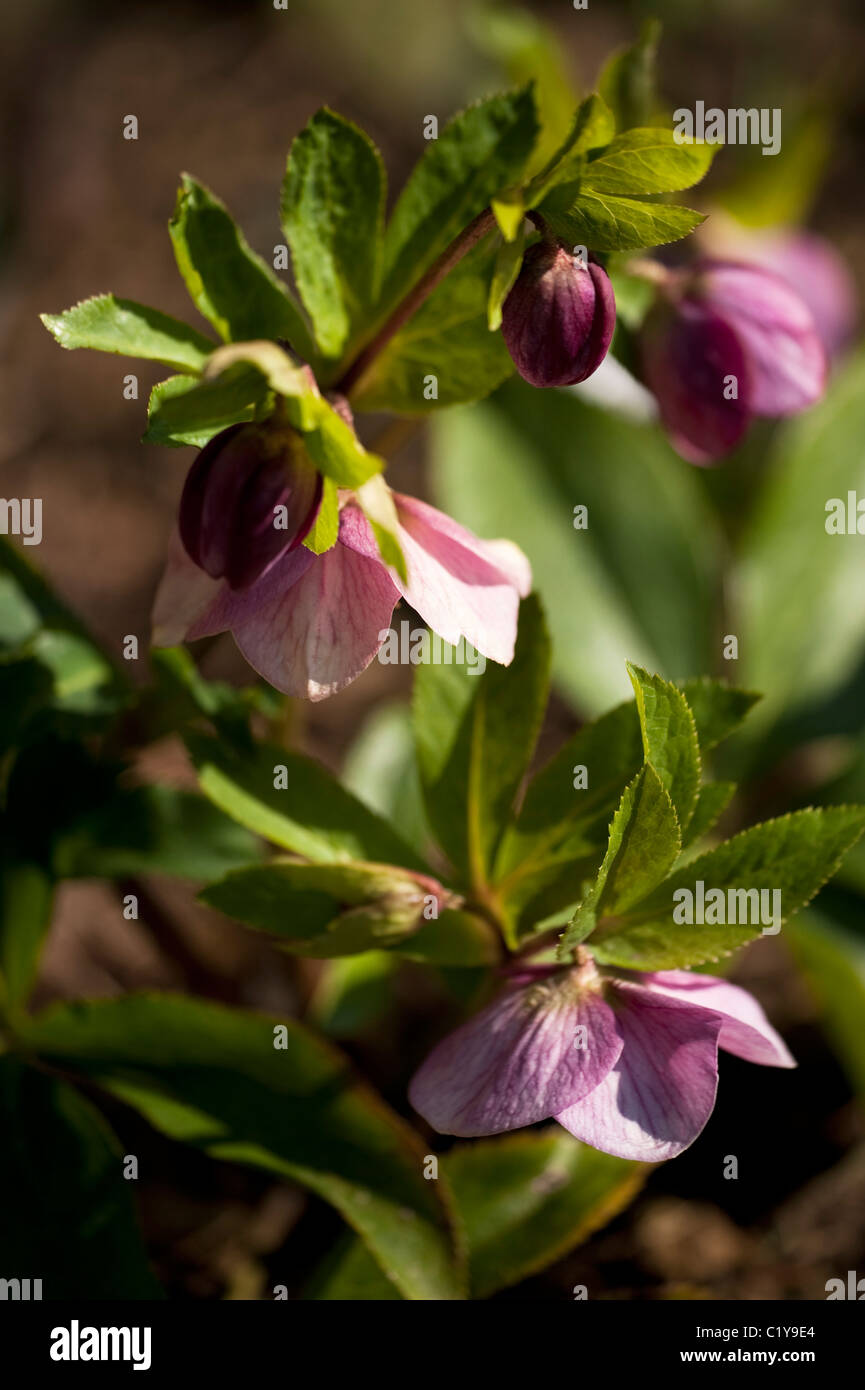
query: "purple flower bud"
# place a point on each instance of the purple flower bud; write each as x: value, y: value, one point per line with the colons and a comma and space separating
x: 559, y: 317
x: 252, y: 494
x: 725, y: 342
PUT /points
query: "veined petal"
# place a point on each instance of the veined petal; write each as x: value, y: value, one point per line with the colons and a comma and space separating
x: 460, y: 585
x: 659, y: 1095
x: 233, y: 608
x: 786, y: 357
x: 516, y: 1061
x: 319, y: 635
x: 184, y: 595
x: 745, y: 1030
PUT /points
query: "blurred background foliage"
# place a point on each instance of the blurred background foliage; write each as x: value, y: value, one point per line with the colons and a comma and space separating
x: 100, y: 799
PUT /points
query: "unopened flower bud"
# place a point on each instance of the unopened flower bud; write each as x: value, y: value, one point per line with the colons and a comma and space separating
x: 252, y: 493
x: 558, y: 319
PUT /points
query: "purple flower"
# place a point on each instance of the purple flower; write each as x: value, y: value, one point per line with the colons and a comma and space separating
x: 723, y: 343
x: 311, y: 623
x: 559, y: 317
x: 247, y: 479
x: 627, y: 1062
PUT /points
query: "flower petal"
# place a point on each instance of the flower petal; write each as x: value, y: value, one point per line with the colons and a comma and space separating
x: 184, y: 595
x: 661, y: 1092
x: 233, y: 608
x: 460, y: 585
x: 515, y: 1062
x: 745, y: 1032
x: 317, y: 637
x: 786, y: 357
x: 688, y: 355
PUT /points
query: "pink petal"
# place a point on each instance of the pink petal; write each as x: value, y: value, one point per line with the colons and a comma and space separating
x: 184, y: 594
x: 786, y: 357
x: 745, y: 1030
x: 315, y: 638
x: 515, y: 1062
x: 661, y: 1092
x: 233, y: 608
x: 461, y: 586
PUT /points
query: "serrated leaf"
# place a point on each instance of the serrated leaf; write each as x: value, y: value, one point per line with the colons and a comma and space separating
x: 506, y: 268
x: 108, y: 324
x: 479, y: 153
x: 605, y: 222
x: 718, y: 709
x: 712, y: 800
x: 647, y: 160
x: 231, y: 286
x: 332, y: 209
x: 644, y: 844
x: 474, y: 736
x: 446, y: 345
x: 313, y: 815
x: 669, y: 739
x: 794, y: 854
x: 294, y: 1108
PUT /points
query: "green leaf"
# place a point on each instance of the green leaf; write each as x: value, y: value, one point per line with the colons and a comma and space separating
x: 380, y: 769
x: 71, y: 1220
x: 313, y: 815
x: 232, y: 287
x: 26, y: 899
x: 509, y: 211
x: 627, y: 82
x: 718, y: 709
x: 323, y: 910
x: 607, y: 223
x: 122, y: 326
x: 448, y: 340
x: 644, y: 844
x: 325, y: 529
x: 511, y: 468
x: 712, y: 800
x: 525, y: 1201
x: 800, y: 636
x: 833, y: 963
x: 332, y: 212
x: 185, y: 410
x: 375, y: 500
x: 350, y: 995
x: 474, y: 736
x: 794, y: 855
x: 561, y: 833
x: 647, y: 160
x: 480, y: 153
x: 669, y: 739
x: 153, y: 830
x: 592, y: 127
x: 293, y: 1108
x: 506, y: 268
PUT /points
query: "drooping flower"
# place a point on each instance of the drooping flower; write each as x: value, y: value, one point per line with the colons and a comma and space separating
x: 252, y: 494
x: 558, y: 319
x: 310, y: 624
x: 807, y: 262
x: 627, y: 1062
x: 725, y: 342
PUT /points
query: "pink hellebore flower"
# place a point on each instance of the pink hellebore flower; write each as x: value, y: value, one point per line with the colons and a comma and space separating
x: 726, y: 342
x: 309, y: 624
x: 627, y: 1062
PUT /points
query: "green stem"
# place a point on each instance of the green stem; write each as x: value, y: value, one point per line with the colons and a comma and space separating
x: 407, y: 307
